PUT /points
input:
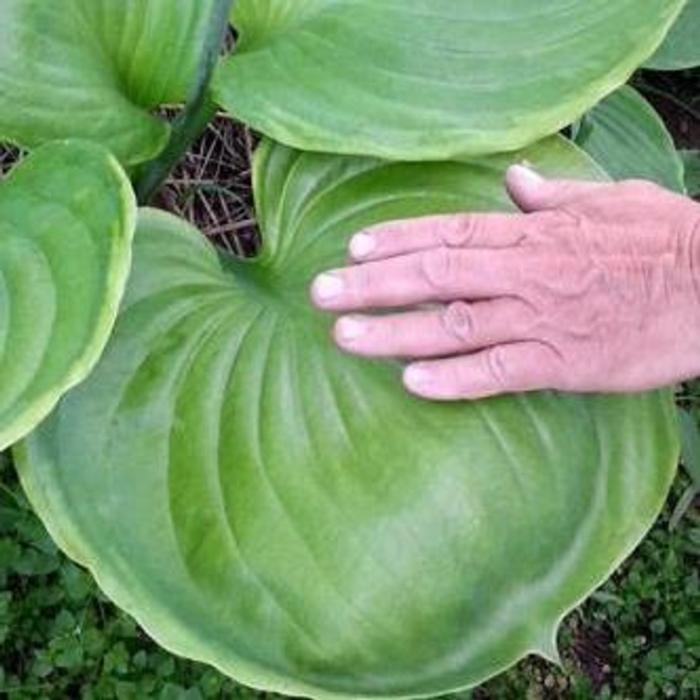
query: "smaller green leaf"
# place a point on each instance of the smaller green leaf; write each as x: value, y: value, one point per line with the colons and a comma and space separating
x: 682, y: 46
x: 96, y: 69
x: 691, y: 163
x: 683, y: 506
x: 690, y: 458
x: 67, y: 217
x: 690, y: 446
x: 628, y: 138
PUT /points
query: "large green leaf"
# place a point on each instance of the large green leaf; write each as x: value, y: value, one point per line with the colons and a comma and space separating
x: 681, y: 49
x: 96, y: 69
x: 628, y: 138
x: 429, y: 79
x: 260, y: 501
x: 67, y: 216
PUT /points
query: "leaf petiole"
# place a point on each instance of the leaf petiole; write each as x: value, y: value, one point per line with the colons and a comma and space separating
x: 198, y: 112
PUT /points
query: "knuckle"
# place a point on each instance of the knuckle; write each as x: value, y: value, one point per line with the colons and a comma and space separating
x: 546, y: 365
x: 496, y: 367
x: 440, y: 268
x: 458, y: 231
x: 458, y: 321
x: 532, y: 317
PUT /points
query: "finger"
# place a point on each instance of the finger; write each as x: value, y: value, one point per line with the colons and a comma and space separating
x: 457, y: 328
x: 531, y: 192
x: 501, y: 369
x: 440, y: 274
x: 455, y: 231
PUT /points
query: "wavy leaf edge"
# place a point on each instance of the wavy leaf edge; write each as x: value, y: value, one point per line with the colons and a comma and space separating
x: 176, y: 638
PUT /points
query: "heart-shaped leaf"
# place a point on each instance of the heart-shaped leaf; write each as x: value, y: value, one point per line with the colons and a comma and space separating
x: 681, y: 49
x: 262, y: 502
x: 96, y: 69
x: 629, y: 139
x: 423, y: 79
x: 67, y: 216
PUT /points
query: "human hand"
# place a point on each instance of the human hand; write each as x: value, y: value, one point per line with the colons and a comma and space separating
x: 594, y: 287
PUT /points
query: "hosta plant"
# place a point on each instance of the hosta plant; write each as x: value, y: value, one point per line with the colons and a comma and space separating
x: 255, y: 499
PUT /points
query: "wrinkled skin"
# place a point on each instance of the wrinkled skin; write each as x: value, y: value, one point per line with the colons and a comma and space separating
x: 594, y: 287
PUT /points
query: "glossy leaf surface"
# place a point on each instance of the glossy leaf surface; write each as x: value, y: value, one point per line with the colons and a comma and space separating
x: 96, y: 69
x: 260, y: 501
x: 67, y: 216
x: 427, y: 79
x: 629, y: 139
x: 681, y: 49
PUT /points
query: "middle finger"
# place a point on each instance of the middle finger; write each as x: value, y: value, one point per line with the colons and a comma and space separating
x: 458, y: 328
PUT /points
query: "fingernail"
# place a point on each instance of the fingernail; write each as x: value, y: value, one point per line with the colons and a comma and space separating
x: 417, y: 377
x: 328, y: 286
x: 351, y: 328
x: 525, y: 172
x: 362, y: 245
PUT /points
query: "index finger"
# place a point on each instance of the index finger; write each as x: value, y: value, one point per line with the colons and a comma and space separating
x: 395, y: 238
x: 440, y: 274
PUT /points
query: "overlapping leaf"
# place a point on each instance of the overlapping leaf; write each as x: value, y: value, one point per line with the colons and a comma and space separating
x: 681, y: 49
x: 264, y: 503
x: 691, y: 167
x: 628, y: 138
x: 424, y: 79
x: 67, y: 216
x: 96, y: 69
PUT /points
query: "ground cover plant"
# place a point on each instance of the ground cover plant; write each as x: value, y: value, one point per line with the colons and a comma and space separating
x: 254, y: 499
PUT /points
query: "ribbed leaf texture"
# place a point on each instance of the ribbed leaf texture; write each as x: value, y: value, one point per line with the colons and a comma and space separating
x: 431, y: 79
x: 626, y: 136
x: 96, y: 69
x: 262, y: 502
x: 67, y: 217
x: 681, y: 49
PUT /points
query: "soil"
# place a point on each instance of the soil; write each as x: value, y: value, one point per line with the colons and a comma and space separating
x: 211, y: 187
x: 8, y: 157
x: 676, y: 96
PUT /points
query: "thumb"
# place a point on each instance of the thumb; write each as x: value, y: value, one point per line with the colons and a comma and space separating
x: 531, y: 192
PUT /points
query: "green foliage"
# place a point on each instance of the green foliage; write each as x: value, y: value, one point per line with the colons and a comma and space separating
x: 419, y: 80
x: 626, y: 136
x: 681, y: 49
x: 67, y: 217
x: 638, y: 638
x: 235, y: 436
x: 96, y: 69
x: 255, y: 499
x: 691, y: 161
x: 61, y: 638
x: 652, y: 614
